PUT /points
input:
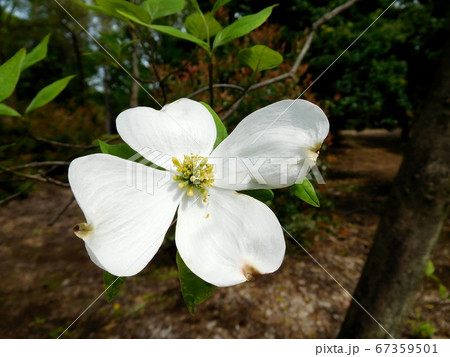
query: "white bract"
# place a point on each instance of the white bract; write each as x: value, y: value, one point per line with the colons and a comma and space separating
x: 223, y: 236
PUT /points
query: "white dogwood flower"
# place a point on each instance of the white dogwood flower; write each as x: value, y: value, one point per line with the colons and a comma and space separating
x: 223, y: 236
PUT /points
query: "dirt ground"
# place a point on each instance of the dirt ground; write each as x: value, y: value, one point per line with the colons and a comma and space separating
x: 48, y: 280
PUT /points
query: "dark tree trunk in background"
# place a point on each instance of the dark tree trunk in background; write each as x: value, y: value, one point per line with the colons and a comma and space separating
x: 412, y: 220
x: 134, y: 95
x: 110, y: 122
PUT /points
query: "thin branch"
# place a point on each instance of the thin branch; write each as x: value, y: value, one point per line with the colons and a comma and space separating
x: 13, y: 196
x: 57, y: 143
x: 74, y: 146
x: 39, y: 164
x: 37, y: 178
x: 61, y: 211
x: 292, y: 72
x: 221, y: 85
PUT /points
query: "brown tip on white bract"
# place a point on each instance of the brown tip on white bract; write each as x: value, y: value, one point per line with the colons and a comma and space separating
x: 249, y: 272
x: 82, y: 230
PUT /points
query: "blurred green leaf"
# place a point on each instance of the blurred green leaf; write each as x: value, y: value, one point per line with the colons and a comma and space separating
x: 429, y: 269
x: 4, y: 147
x: 126, y: 45
x: 195, y: 25
x: 242, y: 26
x: 112, y: 284
x: 218, y: 4
x: 10, y: 73
x: 194, y: 290
x: 123, y: 7
x: 262, y: 195
x: 221, y: 129
x: 48, y: 93
x: 8, y: 111
x: 260, y: 57
x: 443, y: 292
x: 305, y: 191
x: 161, y: 8
x: 112, y: 43
x: 100, y: 9
x: 37, y: 54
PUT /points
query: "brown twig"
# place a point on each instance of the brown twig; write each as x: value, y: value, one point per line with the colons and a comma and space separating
x: 220, y: 85
x: 39, y: 164
x: 61, y: 211
x: 14, y: 195
x: 36, y: 177
x: 57, y: 143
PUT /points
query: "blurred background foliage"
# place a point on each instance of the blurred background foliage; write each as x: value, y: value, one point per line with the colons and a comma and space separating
x: 378, y: 82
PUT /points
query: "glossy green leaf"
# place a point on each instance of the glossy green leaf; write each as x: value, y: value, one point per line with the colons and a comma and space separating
x: 112, y: 284
x: 121, y: 7
x: 9, y: 74
x: 161, y: 8
x: 305, y: 191
x: 262, y: 195
x: 260, y: 57
x: 242, y: 26
x: 196, y: 25
x: 37, y: 54
x: 218, y: 4
x: 8, y: 111
x: 220, y: 127
x: 169, y: 30
x: 48, y: 93
x: 194, y: 290
x: 429, y: 269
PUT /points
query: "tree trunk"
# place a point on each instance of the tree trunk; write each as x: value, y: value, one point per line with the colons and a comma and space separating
x: 411, y: 223
x: 110, y: 122
x: 134, y: 95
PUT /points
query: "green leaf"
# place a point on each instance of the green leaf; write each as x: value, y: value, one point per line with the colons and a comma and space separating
x: 48, y: 93
x: 112, y: 43
x: 220, y: 127
x: 126, y: 45
x: 443, y: 292
x: 123, y: 7
x: 305, y: 191
x: 4, y: 147
x: 262, y: 195
x: 100, y: 9
x: 242, y: 26
x: 161, y: 8
x: 37, y: 54
x: 196, y: 26
x: 9, y: 74
x: 194, y: 290
x: 218, y: 4
x: 260, y: 57
x: 113, y: 284
x: 180, y: 34
x: 122, y: 150
x: 8, y: 111
x: 429, y: 269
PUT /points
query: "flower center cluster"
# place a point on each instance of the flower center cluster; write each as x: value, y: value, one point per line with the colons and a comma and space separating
x: 194, y: 172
